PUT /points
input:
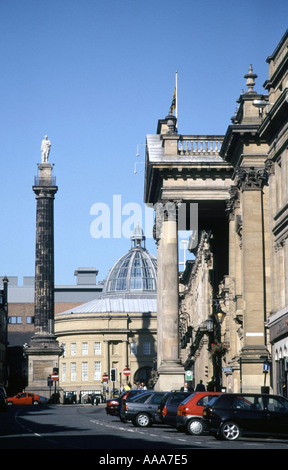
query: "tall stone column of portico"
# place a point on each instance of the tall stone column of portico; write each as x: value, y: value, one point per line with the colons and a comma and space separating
x: 170, y: 370
x: 43, y: 350
x: 254, y: 351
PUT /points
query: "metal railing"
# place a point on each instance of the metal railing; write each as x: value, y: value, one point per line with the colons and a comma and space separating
x: 41, y: 181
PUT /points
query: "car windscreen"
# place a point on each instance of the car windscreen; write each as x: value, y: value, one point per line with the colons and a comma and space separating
x: 179, y: 397
x: 143, y: 397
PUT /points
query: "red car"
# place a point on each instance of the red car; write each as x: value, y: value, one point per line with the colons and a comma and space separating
x: 24, y: 399
x: 190, y: 411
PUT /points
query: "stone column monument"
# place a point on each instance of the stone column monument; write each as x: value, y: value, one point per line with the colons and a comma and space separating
x: 43, y: 350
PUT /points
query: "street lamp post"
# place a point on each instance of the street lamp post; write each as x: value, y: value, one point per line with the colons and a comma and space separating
x: 218, y: 317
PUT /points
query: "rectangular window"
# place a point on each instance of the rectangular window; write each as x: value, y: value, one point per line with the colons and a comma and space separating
x: 15, y: 320
x: 73, y: 371
x: 29, y: 320
x: 133, y: 348
x: 147, y: 348
x: 73, y: 349
x: 97, y: 370
x: 84, y: 371
x: 97, y: 348
x: 63, y: 378
x: 84, y: 349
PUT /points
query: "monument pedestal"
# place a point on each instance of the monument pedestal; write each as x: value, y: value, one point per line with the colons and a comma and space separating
x: 43, y: 357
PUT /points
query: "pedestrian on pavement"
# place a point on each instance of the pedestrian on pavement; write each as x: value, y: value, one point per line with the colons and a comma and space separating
x: 200, y: 387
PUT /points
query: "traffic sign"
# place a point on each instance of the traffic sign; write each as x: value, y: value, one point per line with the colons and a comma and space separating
x: 105, y: 378
x: 126, y: 371
x: 188, y: 375
x: 55, y: 377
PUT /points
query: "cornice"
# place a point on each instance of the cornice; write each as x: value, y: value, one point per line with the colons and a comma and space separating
x: 275, y: 118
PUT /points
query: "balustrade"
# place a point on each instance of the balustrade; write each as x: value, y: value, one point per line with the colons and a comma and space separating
x: 197, y: 145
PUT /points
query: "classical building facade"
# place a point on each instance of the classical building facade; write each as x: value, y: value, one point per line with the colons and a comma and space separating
x: 274, y: 129
x: 231, y: 304
x: 114, y: 332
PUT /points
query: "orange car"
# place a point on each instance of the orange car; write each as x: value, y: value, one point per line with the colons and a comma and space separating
x: 189, y: 413
x: 24, y: 399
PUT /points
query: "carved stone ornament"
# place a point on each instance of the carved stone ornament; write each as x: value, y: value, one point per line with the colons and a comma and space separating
x: 233, y: 202
x: 251, y: 178
x: 270, y: 166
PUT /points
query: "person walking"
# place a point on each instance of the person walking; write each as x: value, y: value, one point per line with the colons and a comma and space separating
x: 200, y: 387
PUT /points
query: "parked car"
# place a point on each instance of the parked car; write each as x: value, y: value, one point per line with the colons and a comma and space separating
x: 113, y: 405
x: 24, y: 399
x: 189, y: 413
x: 142, y: 410
x: 3, y: 401
x: 231, y: 416
x: 44, y: 400
x: 168, y: 406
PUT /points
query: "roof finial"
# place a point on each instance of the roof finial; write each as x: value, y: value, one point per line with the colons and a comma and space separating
x: 250, y: 80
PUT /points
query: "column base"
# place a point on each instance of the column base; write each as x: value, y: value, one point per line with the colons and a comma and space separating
x: 170, y: 376
x: 252, y: 372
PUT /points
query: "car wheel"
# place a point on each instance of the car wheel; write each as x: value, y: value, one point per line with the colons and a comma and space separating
x: 9, y: 403
x: 230, y: 431
x: 195, y: 427
x: 142, y: 420
x: 35, y: 402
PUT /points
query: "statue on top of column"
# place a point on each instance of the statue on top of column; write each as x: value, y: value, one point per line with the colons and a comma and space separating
x: 45, y: 149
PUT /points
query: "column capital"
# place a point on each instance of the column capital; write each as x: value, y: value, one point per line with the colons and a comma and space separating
x: 251, y: 178
x: 165, y: 210
x: 45, y: 191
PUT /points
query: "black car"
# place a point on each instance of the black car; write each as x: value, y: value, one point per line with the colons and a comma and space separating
x: 3, y: 401
x: 142, y: 410
x: 113, y: 405
x: 168, y: 406
x: 233, y: 415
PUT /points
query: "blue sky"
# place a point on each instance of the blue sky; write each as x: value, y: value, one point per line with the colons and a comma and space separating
x: 96, y: 76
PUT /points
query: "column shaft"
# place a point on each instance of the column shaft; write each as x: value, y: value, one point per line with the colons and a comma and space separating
x: 44, y: 264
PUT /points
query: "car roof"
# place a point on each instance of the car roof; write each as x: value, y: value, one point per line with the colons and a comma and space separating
x: 198, y: 395
x: 250, y: 394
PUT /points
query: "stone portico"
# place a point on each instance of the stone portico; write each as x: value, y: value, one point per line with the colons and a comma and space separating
x: 225, y: 179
